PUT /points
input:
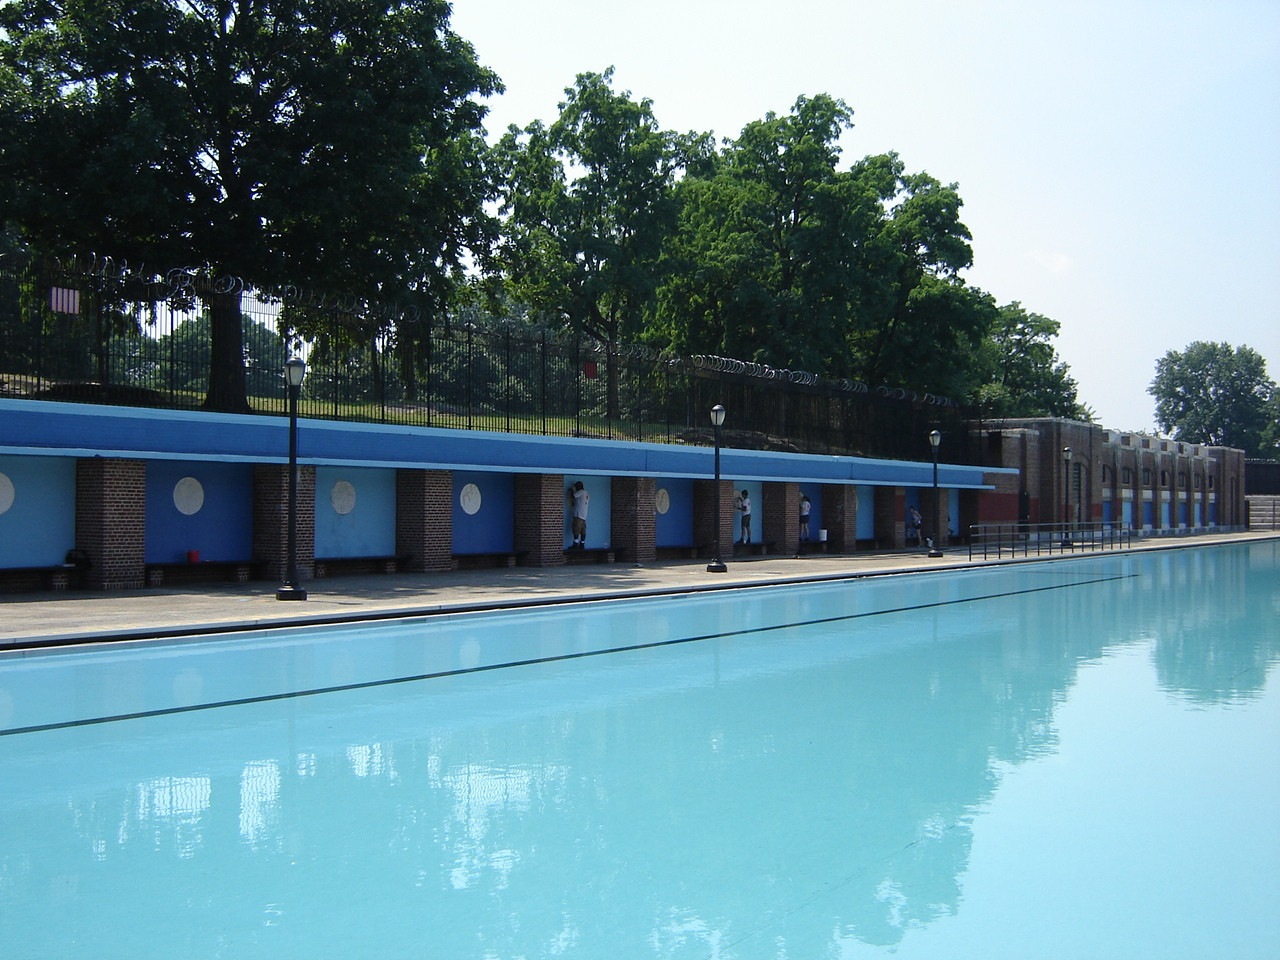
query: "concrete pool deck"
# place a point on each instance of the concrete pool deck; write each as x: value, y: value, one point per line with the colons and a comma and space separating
x: 67, y: 617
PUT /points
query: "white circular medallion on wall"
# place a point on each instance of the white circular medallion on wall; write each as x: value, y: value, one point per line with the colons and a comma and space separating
x: 188, y: 496
x: 662, y: 500
x: 342, y: 497
x: 469, y: 499
x: 6, y: 493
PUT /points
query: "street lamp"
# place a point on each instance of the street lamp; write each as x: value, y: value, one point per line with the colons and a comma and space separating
x: 1066, y: 496
x: 935, y: 438
x: 294, y: 370
x: 717, y: 421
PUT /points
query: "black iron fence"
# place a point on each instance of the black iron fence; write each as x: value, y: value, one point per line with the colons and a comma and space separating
x: 993, y: 541
x: 102, y: 332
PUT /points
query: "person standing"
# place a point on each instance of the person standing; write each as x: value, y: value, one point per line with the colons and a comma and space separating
x: 805, y: 507
x: 581, y: 500
x: 744, y: 504
x: 915, y: 525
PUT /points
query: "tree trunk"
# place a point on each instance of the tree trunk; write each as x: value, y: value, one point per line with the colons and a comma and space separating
x: 227, y: 390
x: 407, y: 352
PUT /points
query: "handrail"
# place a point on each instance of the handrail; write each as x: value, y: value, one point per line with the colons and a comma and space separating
x: 997, y: 540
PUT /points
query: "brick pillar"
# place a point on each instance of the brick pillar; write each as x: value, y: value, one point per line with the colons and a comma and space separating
x: 891, y: 523
x: 780, y: 523
x: 704, y: 510
x: 111, y: 517
x: 633, y: 524
x: 839, y: 517
x: 271, y: 520
x: 539, y: 518
x: 424, y: 518
x: 937, y: 515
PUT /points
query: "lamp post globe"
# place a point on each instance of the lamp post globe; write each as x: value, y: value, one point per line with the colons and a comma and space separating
x: 717, y: 421
x: 935, y: 440
x: 295, y: 369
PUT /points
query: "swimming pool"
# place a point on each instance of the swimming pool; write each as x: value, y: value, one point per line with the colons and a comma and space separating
x: 1060, y: 759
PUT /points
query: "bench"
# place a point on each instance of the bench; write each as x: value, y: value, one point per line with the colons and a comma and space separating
x: 348, y: 566
x: 679, y: 553
x: 756, y: 548
x: 203, y: 571
x: 25, y: 579
x: 478, y: 561
x: 590, y: 555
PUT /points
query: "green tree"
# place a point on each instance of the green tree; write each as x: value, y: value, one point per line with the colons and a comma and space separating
x: 763, y: 265
x: 587, y: 203
x: 783, y: 258
x: 333, y: 143
x: 915, y: 325
x: 1216, y: 394
x: 1022, y: 373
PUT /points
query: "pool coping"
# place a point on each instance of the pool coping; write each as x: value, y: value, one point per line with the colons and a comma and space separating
x: 158, y: 614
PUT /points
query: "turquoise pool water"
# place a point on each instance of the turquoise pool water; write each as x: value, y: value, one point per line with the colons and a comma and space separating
x: 1074, y: 759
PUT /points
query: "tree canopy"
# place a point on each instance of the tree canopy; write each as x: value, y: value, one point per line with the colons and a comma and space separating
x: 332, y: 143
x: 337, y: 145
x: 587, y: 205
x: 1217, y: 394
x: 1021, y: 372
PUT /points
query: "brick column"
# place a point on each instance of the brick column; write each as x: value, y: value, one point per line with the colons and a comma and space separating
x: 780, y: 523
x: 111, y: 517
x: 271, y: 520
x: 891, y: 523
x: 839, y: 517
x: 539, y: 518
x: 937, y: 515
x: 424, y: 518
x: 633, y: 524
x: 704, y: 520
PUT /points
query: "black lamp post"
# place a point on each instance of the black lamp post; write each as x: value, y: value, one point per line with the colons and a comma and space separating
x: 1066, y: 496
x: 717, y: 421
x: 935, y: 438
x: 294, y: 370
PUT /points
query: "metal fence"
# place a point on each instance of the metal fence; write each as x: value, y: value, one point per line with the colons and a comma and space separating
x: 1262, y: 512
x: 993, y: 541
x: 101, y: 332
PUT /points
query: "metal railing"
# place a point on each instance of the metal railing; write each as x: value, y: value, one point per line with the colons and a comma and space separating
x: 98, y: 332
x: 1262, y: 512
x: 989, y: 541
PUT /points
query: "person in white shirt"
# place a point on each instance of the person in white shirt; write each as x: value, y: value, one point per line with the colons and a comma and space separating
x: 744, y: 504
x: 581, y: 500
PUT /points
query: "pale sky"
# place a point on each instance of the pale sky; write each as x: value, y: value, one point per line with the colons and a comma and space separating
x: 1118, y: 161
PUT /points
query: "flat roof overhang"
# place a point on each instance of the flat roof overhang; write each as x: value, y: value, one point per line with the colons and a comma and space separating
x: 46, y: 428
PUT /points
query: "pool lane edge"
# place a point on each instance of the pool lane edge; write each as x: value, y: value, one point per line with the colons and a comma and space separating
x: 291, y: 619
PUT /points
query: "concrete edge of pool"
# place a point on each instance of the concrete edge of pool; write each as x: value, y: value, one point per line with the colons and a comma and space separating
x: 65, y: 619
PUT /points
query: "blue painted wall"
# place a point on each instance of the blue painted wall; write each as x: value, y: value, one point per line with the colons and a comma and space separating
x: 490, y: 526
x: 218, y: 502
x: 367, y: 528
x: 675, y: 527
x: 866, y: 522
x: 600, y: 490
x: 38, y: 525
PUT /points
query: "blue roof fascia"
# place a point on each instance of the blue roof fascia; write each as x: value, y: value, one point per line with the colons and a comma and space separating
x: 73, y: 429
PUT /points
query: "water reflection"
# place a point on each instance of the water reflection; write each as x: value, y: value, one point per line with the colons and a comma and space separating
x: 772, y: 794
